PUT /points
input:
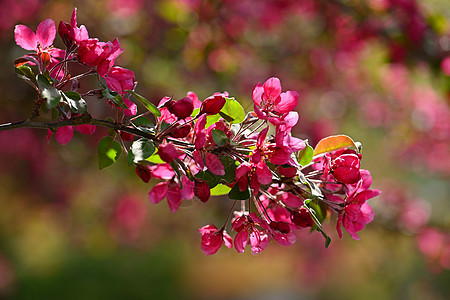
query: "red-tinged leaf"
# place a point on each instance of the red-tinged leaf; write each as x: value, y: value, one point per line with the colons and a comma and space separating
x: 333, y: 143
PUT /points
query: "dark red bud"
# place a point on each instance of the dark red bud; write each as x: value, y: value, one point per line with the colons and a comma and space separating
x: 182, y: 108
x: 202, y: 190
x: 281, y: 227
x: 167, y: 152
x: 181, y: 132
x: 212, y: 105
x: 64, y: 31
x: 126, y: 136
x: 144, y: 172
x: 287, y: 172
x: 302, y: 218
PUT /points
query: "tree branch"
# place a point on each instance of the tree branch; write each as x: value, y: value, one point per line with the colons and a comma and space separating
x: 79, y: 120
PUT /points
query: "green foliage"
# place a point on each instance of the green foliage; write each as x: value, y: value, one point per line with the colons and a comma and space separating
x: 140, y: 150
x: 305, y: 156
x: 114, y: 97
x: 219, y: 137
x: 26, y: 73
x: 76, y: 103
x: 51, y: 95
x: 233, y: 111
x: 108, y: 151
x: 236, y: 194
x: 148, y: 105
x: 220, y: 189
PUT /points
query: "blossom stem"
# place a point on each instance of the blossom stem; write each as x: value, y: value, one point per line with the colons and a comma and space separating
x: 229, y: 214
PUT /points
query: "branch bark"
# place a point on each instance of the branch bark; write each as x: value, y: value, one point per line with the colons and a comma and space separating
x: 79, y: 120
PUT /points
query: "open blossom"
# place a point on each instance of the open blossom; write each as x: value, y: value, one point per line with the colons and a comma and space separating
x: 39, y: 41
x: 270, y: 103
x: 212, y: 239
x: 172, y: 191
x: 249, y: 230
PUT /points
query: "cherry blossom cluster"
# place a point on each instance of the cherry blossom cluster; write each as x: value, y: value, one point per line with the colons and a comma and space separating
x: 198, y: 149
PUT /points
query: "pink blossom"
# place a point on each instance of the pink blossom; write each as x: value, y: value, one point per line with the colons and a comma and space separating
x: 172, y: 191
x: 249, y: 230
x: 120, y: 79
x: 41, y: 40
x: 212, y: 239
x: 270, y: 104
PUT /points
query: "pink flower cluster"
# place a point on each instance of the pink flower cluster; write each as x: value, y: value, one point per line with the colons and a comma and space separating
x: 196, y: 149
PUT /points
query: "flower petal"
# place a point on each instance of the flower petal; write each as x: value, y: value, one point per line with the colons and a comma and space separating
x: 25, y: 37
x: 288, y: 102
x: 158, y: 192
x: 214, y: 164
x: 46, y: 33
x: 64, y: 135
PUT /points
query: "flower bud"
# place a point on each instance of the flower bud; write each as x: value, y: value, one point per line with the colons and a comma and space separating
x: 181, y: 132
x: 281, y: 227
x: 182, y: 108
x: 143, y: 172
x: 287, y: 172
x: 126, y: 136
x: 212, y: 105
x: 64, y: 31
x: 302, y: 218
x: 167, y: 152
x: 202, y: 190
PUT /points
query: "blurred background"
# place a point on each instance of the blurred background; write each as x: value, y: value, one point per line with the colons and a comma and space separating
x: 377, y: 70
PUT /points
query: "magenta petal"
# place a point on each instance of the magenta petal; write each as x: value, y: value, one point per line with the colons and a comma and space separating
x: 272, y: 88
x: 289, y: 101
x: 64, y: 134
x: 132, y: 108
x: 214, y: 164
x: 187, y: 192
x: 240, y: 240
x: 86, y: 129
x: 25, y: 37
x: 367, y: 214
x: 46, y: 33
x: 366, y: 195
x: 263, y: 172
x: 49, y: 135
x: 158, y: 192
x: 174, y: 199
x: 227, y: 239
x: 257, y: 93
x: 291, y: 200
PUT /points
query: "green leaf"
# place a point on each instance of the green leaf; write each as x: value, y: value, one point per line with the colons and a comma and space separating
x: 333, y: 143
x: 155, y: 159
x: 76, y: 103
x: 230, y: 166
x: 236, y: 194
x: 315, y: 190
x: 305, y: 156
x: 115, y: 98
x: 148, y: 105
x: 219, y: 137
x: 140, y: 150
x: 220, y: 189
x: 143, y: 122
x: 234, y: 110
x: 25, y: 72
x: 211, y: 179
x: 108, y: 151
x: 51, y: 95
x: 226, y: 117
x: 318, y: 224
